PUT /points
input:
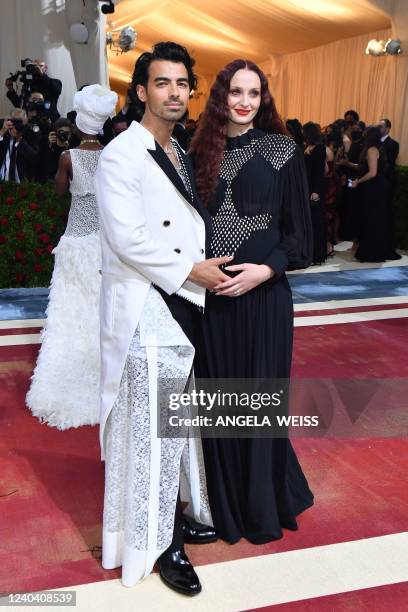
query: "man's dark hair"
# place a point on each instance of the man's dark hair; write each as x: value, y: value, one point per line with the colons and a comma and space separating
x: 354, y: 114
x: 294, y: 128
x: 168, y: 51
x: 372, y: 137
x: 312, y: 133
x: 341, y: 123
x: 387, y: 122
x: 62, y: 122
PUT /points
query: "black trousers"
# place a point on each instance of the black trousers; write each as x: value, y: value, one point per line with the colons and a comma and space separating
x: 188, y: 317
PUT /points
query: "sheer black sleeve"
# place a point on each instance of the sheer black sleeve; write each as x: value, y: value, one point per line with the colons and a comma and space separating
x: 296, y: 245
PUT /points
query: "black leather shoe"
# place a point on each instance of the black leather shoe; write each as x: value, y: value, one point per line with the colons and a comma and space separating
x: 196, y: 533
x: 177, y: 573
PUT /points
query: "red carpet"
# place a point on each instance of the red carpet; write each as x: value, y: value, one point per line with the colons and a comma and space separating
x: 392, y: 597
x: 51, y: 482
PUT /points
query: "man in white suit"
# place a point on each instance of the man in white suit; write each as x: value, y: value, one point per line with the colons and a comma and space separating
x: 154, y: 276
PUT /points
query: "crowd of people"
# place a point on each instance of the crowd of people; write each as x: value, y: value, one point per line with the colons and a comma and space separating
x: 34, y: 135
x: 350, y: 166
x: 351, y: 176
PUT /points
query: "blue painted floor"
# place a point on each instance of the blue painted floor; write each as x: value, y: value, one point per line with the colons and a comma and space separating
x: 349, y: 284
x: 313, y: 287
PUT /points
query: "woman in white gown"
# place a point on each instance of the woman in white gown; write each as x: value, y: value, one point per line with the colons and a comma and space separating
x: 64, y: 388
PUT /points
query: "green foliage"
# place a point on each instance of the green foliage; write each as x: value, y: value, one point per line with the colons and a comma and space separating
x: 32, y: 219
x: 401, y: 208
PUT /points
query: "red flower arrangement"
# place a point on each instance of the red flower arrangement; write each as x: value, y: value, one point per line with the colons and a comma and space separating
x: 32, y: 222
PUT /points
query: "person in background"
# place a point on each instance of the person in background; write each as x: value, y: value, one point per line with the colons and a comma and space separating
x: 315, y: 160
x: 64, y: 389
x: 334, y: 151
x: 19, y: 148
x: 391, y: 148
x: 374, y: 235
x: 119, y: 124
x: 49, y: 88
x: 294, y: 128
x: 347, y: 168
x: 62, y: 137
x: 351, y: 117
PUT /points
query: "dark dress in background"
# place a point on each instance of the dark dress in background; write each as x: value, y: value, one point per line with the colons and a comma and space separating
x: 331, y: 201
x: 260, y: 213
x: 374, y: 235
x: 315, y: 167
x: 349, y: 207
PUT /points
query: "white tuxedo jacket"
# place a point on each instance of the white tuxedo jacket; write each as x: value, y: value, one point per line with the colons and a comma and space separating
x: 151, y: 232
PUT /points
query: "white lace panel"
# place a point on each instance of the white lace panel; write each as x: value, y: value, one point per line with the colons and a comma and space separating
x: 128, y: 464
x: 83, y: 215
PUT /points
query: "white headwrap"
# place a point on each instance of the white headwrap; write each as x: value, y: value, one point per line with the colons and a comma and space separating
x: 94, y: 104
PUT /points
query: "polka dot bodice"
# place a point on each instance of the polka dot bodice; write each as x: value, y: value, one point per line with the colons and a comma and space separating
x: 231, y: 228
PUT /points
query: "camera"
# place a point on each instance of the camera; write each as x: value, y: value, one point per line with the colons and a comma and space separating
x: 63, y: 136
x: 30, y: 67
x: 29, y: 70
x: 40, y: 106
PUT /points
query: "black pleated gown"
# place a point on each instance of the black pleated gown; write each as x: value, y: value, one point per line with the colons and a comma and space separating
x: 260, y: 213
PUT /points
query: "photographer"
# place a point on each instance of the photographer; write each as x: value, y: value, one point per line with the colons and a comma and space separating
x: 60, y: 139
x: 40, y: 116
x: 19, y: 148
x: 34, y: 78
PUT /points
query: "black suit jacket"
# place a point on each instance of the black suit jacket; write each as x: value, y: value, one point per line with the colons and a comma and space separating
x: 391, y: 148
x: 27, y: 154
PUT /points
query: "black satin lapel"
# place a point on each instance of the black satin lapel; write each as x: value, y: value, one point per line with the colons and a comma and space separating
x: 169, y: 170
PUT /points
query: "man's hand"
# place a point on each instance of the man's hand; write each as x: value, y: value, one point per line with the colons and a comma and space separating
x: 7, y: 125
x: 250, y: 277
x: 208, y: 274
x: 15, y: 134
x: 52, y: 139
x: 9, y: 84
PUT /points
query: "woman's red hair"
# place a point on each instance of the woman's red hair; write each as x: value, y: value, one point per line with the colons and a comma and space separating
x: 208, y: 144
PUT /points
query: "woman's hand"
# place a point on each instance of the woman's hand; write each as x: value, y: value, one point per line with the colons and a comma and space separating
x: 314, y: 197
x: 354, y: 184
x: 251, y: 276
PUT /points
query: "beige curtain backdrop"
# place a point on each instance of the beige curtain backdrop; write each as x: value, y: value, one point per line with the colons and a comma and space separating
x: 321, y: 83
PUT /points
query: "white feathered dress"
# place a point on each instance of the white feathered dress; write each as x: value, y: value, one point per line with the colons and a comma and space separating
x: 64, y: 388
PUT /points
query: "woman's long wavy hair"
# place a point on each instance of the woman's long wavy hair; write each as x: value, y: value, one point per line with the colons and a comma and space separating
x: 207, y: 147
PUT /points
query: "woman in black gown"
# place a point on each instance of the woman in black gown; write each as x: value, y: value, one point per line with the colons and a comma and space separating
x: 251, y: 176
x: 374, y: 230
x: 315, y: 159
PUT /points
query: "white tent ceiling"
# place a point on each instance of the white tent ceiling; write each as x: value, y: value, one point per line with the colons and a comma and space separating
x: 218, y: 31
